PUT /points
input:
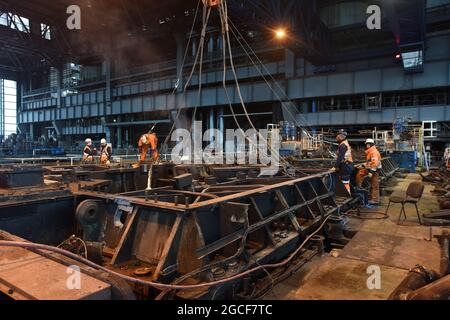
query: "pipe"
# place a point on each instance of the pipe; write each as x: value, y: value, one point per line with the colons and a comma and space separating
x: 27, y: 245
x: 445, y: 263
x: 417, y: 278
x: 437, y: 290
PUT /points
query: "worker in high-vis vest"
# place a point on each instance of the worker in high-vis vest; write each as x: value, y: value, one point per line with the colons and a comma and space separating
x: 371, y: 168
x: 105, y: 152
x: 344, y: 164
x: 148, y: 141
x: 88, y: 152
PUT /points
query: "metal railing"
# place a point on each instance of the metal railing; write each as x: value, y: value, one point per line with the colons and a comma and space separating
x: 36, y: 92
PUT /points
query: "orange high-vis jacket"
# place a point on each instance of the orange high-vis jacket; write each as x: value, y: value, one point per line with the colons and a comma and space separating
x: 149, y: 139
x: 373, y: 158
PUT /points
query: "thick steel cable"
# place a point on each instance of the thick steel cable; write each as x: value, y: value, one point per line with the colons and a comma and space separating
x: 224, y: 19
x: 27, y: 245
x: 283, y: 161
x: 238, y: 88
x: 268, y: 73
x: 180, y: 108
x: 206, y: 15
x: 224, y: 53
x: 267, y: 82
x: 208, y: 266
x: 180, y: 74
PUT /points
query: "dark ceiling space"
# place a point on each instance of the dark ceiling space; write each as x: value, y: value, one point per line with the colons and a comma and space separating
x: 111, y: 28
x: 105, y: 26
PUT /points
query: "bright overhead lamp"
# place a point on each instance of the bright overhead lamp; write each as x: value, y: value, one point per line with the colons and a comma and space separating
x: 280, y: 33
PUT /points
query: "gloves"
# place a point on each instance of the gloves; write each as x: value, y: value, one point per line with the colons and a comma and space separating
x: 371, y: 172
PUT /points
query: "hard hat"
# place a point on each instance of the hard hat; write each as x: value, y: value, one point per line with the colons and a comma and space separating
x: 88, y: 140
x: 343, y: 133
x: 341, y: 136
x: 144, y: 139
x: 103, y: 141
x: 370, y: 141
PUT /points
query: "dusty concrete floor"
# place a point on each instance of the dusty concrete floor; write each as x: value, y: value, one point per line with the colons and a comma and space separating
x: 343, y: 274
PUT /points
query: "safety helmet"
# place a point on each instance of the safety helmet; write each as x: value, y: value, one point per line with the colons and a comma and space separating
x: 370, y: 141
x: 103, y: 141
x: 144, y: 139
x: 341, y: 136
x: 88, y: 141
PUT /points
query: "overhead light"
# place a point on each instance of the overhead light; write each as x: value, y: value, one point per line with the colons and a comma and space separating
x: 280, y: 33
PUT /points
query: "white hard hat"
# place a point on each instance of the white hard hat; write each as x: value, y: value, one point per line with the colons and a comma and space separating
x: 370, y: 141
x: 103, y: 141
x: 88, y: 140
x: 144, y: 139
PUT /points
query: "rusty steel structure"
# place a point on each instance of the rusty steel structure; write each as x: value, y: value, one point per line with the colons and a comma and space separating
x: 197, y: 225
x: 199, y: 232
x: 215, y: 233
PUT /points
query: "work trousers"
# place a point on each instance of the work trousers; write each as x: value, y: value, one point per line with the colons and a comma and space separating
x: 374, y: 184
x: 144, y: 150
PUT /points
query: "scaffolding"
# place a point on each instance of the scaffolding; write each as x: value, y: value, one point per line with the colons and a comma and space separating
x: 2, y: 107
x: 312, y: 142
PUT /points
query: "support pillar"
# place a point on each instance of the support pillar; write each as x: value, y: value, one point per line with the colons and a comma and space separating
x: 194, y: 47
x: 107, y: 65
x: 211, y: 122
x: 211, y: 41
x: 119, y: 133
x: 220, y: 125
x: 31, y: 131
x: 181, y: 47
x: 59, y: 88
x: 108, y: 134
x: 289, y: 63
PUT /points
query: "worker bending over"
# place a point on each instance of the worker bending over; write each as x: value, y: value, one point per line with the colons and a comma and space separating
x: 146, y: 142
x: 105, y: 152
x: 89, y: 152
x: 371, y: 169
x: 344, y: 163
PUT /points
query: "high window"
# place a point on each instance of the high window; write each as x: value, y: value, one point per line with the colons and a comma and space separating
x: 8, y: 104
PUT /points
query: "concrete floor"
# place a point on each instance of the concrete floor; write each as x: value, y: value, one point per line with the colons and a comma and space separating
x: 343, y: 274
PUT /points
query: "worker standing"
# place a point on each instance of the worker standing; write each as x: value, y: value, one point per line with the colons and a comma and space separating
x: 105, y: 152
x: 447, y: 158
x: 371, y: 169
x: 89, y: 152
x: 344, y: 163
x: 146, y: 142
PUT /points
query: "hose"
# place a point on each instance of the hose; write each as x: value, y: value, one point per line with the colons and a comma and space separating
x: 354, y: 214
x: 27, y: 245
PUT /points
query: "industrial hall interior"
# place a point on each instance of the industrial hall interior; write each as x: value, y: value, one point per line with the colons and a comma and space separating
x: 238, y: 150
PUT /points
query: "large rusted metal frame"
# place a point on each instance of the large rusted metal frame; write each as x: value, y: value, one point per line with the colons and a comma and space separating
x: 236, y: 226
